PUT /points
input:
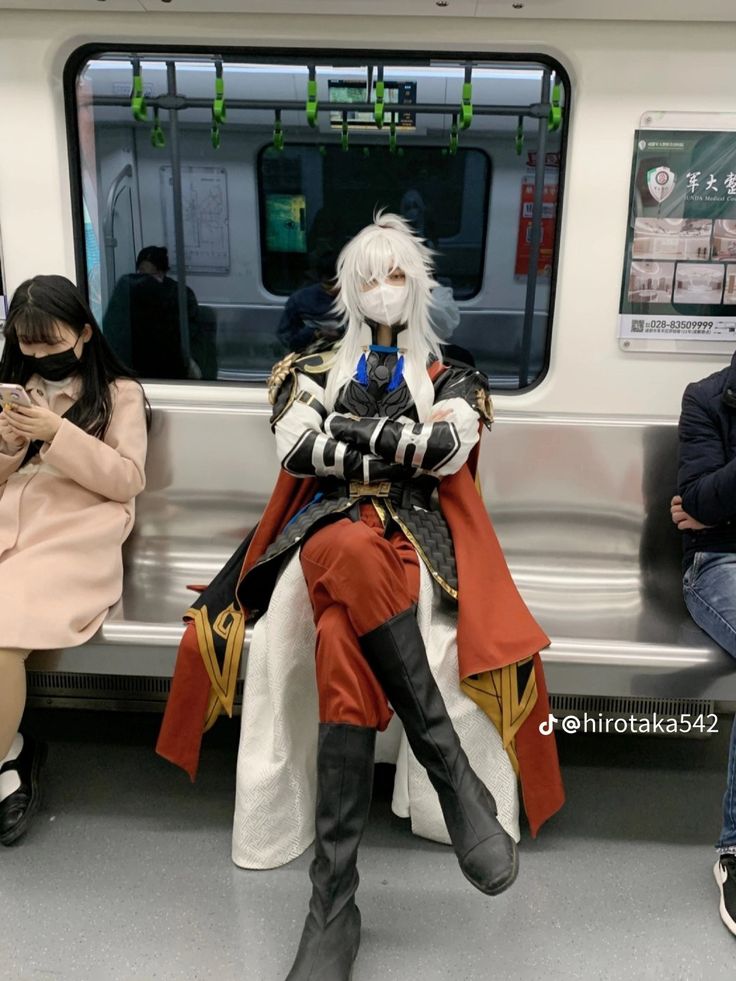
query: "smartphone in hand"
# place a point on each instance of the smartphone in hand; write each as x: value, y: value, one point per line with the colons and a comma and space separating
x: 12, y: 395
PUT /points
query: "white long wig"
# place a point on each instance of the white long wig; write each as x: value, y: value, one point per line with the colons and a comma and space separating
x: 372, y: 255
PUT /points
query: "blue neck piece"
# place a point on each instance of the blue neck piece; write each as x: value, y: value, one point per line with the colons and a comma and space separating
x: 382, y: 349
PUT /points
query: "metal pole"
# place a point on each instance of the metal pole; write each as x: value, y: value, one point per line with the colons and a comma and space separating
x: 181, y: 281
x: 535, y: 110
x: 536, y: 241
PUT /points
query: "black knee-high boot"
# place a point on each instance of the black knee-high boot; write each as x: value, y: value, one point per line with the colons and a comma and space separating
x: 331, y: 935
x: 487, y: 854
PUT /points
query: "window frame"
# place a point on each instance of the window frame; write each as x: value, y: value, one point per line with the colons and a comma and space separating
x: 357, y: 145
x: 80, y: 56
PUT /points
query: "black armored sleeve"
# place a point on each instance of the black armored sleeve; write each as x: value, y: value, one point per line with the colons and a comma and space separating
x: 297, y: 391
x: 468, y: 384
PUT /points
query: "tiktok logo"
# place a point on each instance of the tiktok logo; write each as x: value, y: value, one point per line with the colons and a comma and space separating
x: 546, y: 727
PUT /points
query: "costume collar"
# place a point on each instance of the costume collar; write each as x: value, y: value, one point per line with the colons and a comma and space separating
x: 369, y: 335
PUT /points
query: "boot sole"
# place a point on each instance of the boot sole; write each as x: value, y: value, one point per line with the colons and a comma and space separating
x: 504, y: 885
x: 22, y: 826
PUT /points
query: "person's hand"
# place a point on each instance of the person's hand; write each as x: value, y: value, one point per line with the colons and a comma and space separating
x: 7, y: 433
x: 34, y: 422
x: 681, y: 518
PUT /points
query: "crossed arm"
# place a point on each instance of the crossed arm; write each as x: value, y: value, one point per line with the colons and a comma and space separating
x: 310, y: 442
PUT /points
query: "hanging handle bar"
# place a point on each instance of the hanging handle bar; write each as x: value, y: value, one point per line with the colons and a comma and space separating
x: 215, y: 133
x: 519, y: 139
x: 278, y: 131
x: 312, y: 107
x: 379, y: 105
x: 466, y: 107
x: 392, y: 144
x: 158, y: 140
x: 219, y: 111
x: 452, y: 149
x: 137, y: 98
x: 555, y: 109
x: 344, y: 132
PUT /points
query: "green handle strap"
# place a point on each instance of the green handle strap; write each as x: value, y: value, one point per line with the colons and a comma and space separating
x: 452, y: 149
x: 312, y: 96
x: 344, y: 133
x: 392, y: 143
x: 278, y: 132
x: 555, y: 110
x: 137, y: 98
x: 519, y: 141
x: 466, y: 106
x: 218, y: 104
x: 379, y: 106
x: 158, y: 140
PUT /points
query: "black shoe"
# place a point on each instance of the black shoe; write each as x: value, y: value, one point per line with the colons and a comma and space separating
x: 17, y: 810
x: 725, y: 872
x: 331, y: 936
x: 487, y: 854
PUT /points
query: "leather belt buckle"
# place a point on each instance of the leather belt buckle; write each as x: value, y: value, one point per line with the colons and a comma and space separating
x: 379, y: 489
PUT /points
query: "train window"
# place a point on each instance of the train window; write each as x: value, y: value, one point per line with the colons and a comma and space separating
x: 423, y: 184
x: 208, y: 188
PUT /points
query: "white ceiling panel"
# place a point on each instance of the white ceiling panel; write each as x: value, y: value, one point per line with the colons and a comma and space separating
x: 635, y: 10
x: 379, y: 8
x: 134, y: 6
x: 669, y: 10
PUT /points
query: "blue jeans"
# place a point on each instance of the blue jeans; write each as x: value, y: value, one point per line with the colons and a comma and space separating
x: 709, y: 587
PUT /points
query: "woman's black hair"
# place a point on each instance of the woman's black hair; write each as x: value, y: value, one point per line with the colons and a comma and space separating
x: 157, y: 255
x: 38, y: 308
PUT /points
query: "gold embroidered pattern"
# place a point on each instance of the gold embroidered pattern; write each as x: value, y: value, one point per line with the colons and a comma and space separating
x: 507, y: 702
x: 279, y: 374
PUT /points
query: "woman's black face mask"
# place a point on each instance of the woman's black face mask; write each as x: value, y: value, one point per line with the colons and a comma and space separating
x: 54, y: 367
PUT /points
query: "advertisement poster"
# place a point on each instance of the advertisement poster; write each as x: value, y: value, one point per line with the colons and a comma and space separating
x: 549, y: 215
x: 679, y: 277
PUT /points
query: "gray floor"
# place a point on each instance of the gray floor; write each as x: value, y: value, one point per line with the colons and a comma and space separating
x: 126, y: 874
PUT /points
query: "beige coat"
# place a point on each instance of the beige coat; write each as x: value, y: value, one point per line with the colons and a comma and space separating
x: 63, y: 519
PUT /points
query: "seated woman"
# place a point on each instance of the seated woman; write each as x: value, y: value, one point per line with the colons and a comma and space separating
x: 70, y: 466
x: 376, y: 531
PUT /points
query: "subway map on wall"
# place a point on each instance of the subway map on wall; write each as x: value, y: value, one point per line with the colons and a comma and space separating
x: 205, y: 214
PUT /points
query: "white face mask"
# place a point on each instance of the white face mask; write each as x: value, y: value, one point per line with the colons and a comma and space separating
x: 384, y: 303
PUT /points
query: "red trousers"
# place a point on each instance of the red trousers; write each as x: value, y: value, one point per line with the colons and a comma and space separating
x: 357, y: 579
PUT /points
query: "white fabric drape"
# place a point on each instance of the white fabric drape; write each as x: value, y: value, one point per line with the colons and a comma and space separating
x: 276, y: 773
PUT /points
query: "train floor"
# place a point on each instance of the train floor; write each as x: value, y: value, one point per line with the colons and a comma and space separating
x: 126, y: 873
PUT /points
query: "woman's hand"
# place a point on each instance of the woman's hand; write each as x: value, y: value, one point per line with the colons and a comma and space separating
x: 682, y: 519
x: 34, y: 422
x: 14, y: 441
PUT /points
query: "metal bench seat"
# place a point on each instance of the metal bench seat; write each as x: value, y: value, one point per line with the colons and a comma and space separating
x: 581, y: 506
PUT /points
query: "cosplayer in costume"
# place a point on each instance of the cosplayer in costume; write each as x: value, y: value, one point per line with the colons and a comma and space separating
x: 376, y: 503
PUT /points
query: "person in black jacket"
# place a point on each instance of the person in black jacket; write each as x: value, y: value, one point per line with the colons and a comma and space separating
x: 705, y: 511
x: 141, y: 322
